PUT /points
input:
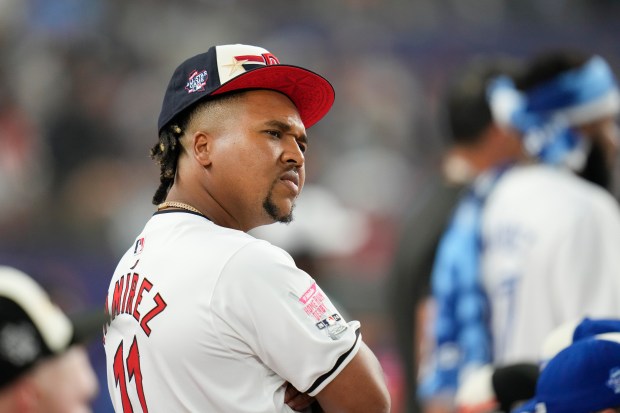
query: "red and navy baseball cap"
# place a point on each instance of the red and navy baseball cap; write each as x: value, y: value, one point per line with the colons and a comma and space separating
x: 237, y: 67
x: 32, y: 328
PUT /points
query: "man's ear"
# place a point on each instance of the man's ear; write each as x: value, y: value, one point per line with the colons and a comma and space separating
x: 202, y: 146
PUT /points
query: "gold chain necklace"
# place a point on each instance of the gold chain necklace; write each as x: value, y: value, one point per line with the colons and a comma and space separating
x: 175, y: 204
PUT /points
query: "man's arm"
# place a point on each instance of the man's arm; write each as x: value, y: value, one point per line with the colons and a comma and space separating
x: 360, y: 387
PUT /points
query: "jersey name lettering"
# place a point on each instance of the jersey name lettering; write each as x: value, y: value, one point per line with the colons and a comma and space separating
x: 127, y: 298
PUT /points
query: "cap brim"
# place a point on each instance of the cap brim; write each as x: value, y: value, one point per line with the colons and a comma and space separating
x: 87, y: 325
x: 312, y: 94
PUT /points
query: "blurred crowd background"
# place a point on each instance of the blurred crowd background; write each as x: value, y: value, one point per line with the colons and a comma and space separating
x: 81, y: 83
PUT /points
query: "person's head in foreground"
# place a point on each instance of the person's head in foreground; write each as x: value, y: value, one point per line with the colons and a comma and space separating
x: 43, y: 366
x: 232, y: 135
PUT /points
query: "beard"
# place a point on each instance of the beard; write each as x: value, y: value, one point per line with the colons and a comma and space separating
x: 274, y: 212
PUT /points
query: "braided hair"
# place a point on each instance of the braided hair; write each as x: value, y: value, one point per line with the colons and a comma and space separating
x: 166, y: 153
x: 168, y: 148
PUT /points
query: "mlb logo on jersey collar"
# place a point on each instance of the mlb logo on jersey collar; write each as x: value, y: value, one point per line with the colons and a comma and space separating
x: 139, y: 247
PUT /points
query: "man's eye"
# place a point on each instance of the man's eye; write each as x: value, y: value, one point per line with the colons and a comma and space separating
x: 275, y: 133
x: 303, y: 147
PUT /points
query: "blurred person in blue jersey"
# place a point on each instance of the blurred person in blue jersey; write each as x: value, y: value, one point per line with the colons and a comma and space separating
x: 471, y: 147
x: 531, y: 244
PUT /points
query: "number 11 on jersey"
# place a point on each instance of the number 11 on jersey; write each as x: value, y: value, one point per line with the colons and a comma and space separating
x: 133, y: 372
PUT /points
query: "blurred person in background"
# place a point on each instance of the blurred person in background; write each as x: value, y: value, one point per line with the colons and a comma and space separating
x: 593, y: 153
x: 24, y: 169
x: 44, y: 366
x: 582, y: 378
x: 475, y: 145
x: 511, y: 387
x: 570, y: 105
x: 529, y: 245
x: 86, y: 146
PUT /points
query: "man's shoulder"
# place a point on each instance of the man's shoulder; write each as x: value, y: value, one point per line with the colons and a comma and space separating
x: 540, y: 175
x: 549, y: 182
x: 256, y: 250
x: 189, y: 235
x: 540, y: 192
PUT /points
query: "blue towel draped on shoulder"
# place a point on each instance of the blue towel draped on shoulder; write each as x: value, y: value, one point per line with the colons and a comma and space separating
x: 461, y: 327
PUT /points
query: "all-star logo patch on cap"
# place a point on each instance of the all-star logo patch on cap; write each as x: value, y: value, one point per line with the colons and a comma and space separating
x: 237, y: 67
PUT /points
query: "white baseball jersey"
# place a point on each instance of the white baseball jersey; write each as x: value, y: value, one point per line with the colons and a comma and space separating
x: 551, y: 254
x: 211, y: 319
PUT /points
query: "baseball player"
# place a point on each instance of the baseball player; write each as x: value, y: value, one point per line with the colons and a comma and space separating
x: 537, y: 243
x: 470, y: 152
x: 203, y: 316
x: 550, y: 253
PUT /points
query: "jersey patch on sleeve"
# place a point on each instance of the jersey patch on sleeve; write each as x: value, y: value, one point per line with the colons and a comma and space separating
x: 333, y: 325
x: 314, y: 302
x: 316, y: 305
